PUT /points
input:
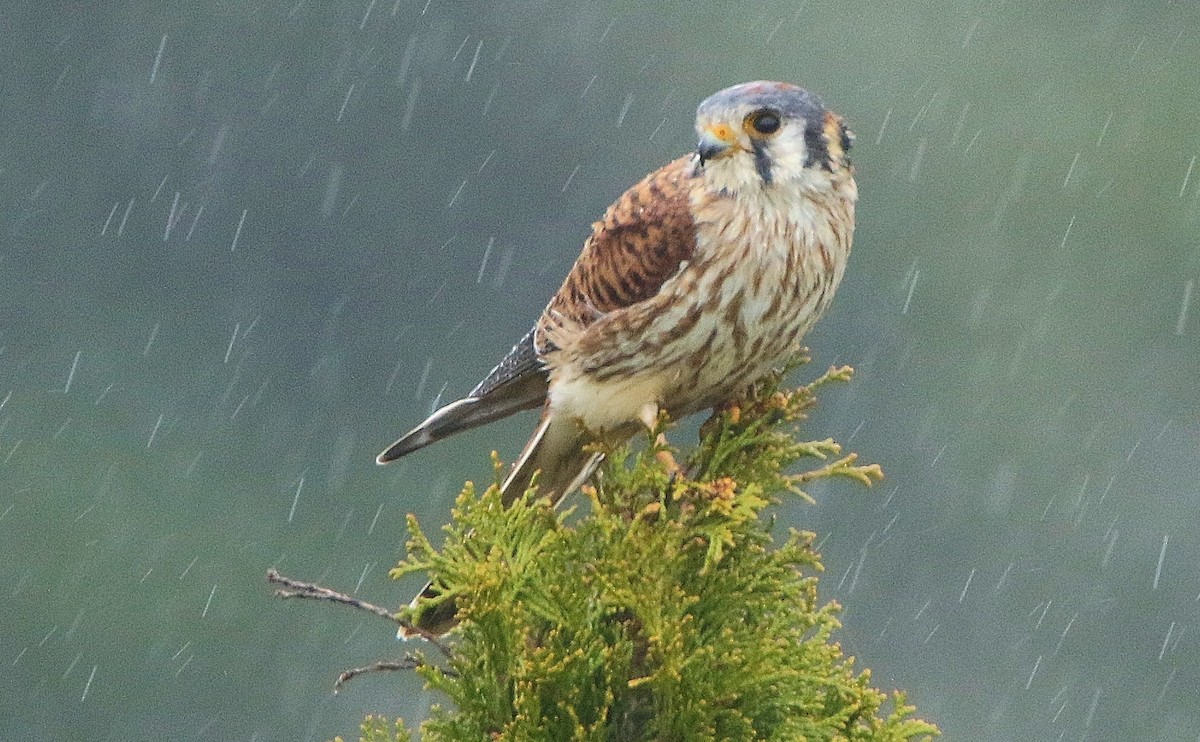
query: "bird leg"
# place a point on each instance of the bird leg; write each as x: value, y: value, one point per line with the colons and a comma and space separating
x: 648, y: 414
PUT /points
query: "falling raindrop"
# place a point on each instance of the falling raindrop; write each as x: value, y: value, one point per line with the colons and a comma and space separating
x: 154, y: 432
x: 487, y: 252
x: 1071, y: 170
x: 162, y: 45
x: 1166, y: 641
x: 296, y: 499
x: 963, y: 594
x: 70, y: 374
x: 232, y: 339
x: 363, y: 24
x: 624, y: 110
x: 1181, y: 320
x: 92, y: 676
x: 208, y: 603
x: 911, y: 288
x: 1162, y: 554
x: 108, y: 221
x: 883, y: 126
x: 1187, y: 176
x: 125, y: 217
x: 474, y: 61
x: 1032, y: 674
x: 345, y: 101
x: 238, y: 233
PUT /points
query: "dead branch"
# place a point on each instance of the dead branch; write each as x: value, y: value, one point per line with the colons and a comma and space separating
x: 410, y: 662
x: 311, y: 591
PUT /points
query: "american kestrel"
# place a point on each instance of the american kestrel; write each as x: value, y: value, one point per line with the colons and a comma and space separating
x: 699, y: 280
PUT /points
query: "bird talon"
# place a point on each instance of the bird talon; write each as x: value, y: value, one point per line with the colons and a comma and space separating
x: 665, y: 457
x: 648, y: 415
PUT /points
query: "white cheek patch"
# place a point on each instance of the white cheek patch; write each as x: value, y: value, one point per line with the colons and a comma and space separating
x: 788, y: 152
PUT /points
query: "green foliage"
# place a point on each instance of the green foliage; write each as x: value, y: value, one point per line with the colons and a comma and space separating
x: 663, y: 611
x: 378, y: 729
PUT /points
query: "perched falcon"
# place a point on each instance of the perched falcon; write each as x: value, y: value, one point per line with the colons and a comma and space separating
x: 698, y: 281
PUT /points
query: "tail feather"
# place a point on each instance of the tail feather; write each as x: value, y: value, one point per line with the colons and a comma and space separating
x: 555, y: 453
x: 520, y: 394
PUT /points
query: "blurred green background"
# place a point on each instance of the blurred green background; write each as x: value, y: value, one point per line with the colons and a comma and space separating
x: 245, y: 244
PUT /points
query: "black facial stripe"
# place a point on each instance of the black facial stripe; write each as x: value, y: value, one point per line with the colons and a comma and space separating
x: 762, y: 162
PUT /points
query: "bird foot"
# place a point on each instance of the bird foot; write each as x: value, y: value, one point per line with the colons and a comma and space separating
x: 664, y: 456
x: 648, y: 414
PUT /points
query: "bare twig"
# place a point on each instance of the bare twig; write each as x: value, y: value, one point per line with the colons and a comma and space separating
x: 299, y: 589
x: 410, y: 662
x: 316, y: 592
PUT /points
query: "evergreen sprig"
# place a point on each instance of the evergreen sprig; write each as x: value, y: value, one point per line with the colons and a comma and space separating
x: 662, y: 610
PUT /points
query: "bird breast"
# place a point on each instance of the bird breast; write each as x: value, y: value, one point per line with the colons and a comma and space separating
x: 765, y: 268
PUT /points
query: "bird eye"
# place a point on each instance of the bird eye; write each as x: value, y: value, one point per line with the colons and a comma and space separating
x: 765, y: 121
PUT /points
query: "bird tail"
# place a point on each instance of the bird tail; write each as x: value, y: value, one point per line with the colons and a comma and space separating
x: 519, y: 394
x: 555, y: 453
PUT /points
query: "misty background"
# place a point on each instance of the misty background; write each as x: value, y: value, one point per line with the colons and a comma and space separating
x: 244, y: 245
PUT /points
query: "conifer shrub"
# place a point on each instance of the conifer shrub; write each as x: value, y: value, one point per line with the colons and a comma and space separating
x: 659, y: 604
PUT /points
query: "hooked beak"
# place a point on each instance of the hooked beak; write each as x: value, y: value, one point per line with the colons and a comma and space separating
x: 716, y: 141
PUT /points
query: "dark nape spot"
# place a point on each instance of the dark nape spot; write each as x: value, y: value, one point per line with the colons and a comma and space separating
x: 818, y: 147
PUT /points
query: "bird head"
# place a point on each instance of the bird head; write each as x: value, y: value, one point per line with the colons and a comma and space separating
x: 760, y: 134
